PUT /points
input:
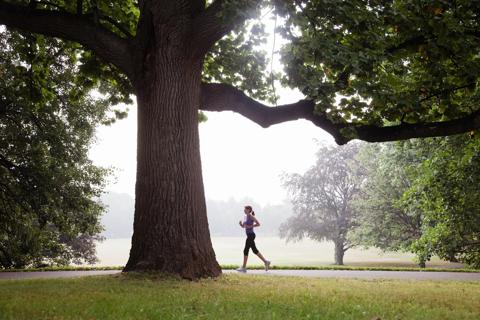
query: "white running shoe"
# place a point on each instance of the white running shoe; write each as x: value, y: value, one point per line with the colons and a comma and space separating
x: 242, y: 269
x: 267, y: 265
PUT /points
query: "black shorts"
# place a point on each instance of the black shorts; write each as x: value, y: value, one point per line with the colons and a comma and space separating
x: 250, y: 243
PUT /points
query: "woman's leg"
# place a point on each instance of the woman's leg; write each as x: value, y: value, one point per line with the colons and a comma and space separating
x: 255, y: 250
x: 245, y: 259
x: 261, y: 257
x: 248, y: 245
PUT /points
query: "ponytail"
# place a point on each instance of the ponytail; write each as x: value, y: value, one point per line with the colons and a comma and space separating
x: 253, y: 213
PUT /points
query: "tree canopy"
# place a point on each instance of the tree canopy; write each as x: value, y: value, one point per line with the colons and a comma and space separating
x: 446, y: 190
x: 390, y: 62
x: 381, y: 70
x: 420, y: 196
x: 48, y: 186
x: 388, y: 220
x: 373, y: 70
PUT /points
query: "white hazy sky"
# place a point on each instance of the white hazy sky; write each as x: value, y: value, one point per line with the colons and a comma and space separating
x: 239, y: 158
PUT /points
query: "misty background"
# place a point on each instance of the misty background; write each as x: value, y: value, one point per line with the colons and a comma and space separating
x: 223, y: 216
x: 228, y: 238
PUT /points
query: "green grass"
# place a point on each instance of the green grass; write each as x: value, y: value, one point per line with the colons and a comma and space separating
x: 137, y: 296
x: 259, y: 267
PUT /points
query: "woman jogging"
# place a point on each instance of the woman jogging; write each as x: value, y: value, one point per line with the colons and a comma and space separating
x: 248, y: 224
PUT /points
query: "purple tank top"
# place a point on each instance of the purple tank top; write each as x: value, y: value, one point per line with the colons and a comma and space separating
x: 249, y: 222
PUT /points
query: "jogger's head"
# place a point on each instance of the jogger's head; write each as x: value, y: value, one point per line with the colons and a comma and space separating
x: 248, y: 209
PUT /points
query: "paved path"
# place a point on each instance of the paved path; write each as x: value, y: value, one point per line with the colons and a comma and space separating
x: 404, y: 275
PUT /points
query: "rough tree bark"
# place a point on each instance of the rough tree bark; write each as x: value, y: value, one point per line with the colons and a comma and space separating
x: 170, y: 227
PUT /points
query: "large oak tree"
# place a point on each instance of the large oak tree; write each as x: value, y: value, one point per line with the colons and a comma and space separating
x: 405, y: 69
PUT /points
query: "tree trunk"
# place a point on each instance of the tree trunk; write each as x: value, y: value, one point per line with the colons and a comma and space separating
x: 171, y: 232
x: 422, y: 263
x: 339, y: 253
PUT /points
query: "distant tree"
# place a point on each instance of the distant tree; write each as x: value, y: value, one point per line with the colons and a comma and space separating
x: 48, y: 186
x: 322, y: 199
x: 385, y: 220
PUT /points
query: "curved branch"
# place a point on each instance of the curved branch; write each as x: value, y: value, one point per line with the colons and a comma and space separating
x: 223, y: 97
x: 108, y: 46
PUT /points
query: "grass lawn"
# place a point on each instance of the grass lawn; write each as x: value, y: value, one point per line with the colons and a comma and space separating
x: 236, y: 297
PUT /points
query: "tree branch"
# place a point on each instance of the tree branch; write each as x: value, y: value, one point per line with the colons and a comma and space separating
x: 211, y: 24
x: 105, y: 44
x: 406, y: 131
x: 223, y: 97
x: 117, y: 25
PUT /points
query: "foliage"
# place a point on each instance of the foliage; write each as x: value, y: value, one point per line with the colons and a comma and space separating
x: 368, y: 62
x: 422, y: 196
x: 386, y: 221
x: 385, y: 61
x: 322, y: 199
x: 447, y: 191
x: 48, y: 185
x: 140, y: 296
x: 238, y: 60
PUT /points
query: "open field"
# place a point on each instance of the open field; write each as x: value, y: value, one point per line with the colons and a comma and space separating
x: 114, y: 252
x: 236, y: 297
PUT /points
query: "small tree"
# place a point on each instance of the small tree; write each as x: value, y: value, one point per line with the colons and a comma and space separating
x: 322, y: 199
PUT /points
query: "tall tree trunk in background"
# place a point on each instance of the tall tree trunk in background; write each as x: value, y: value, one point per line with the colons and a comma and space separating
x: 170, y: 228
x: 339, y: 252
